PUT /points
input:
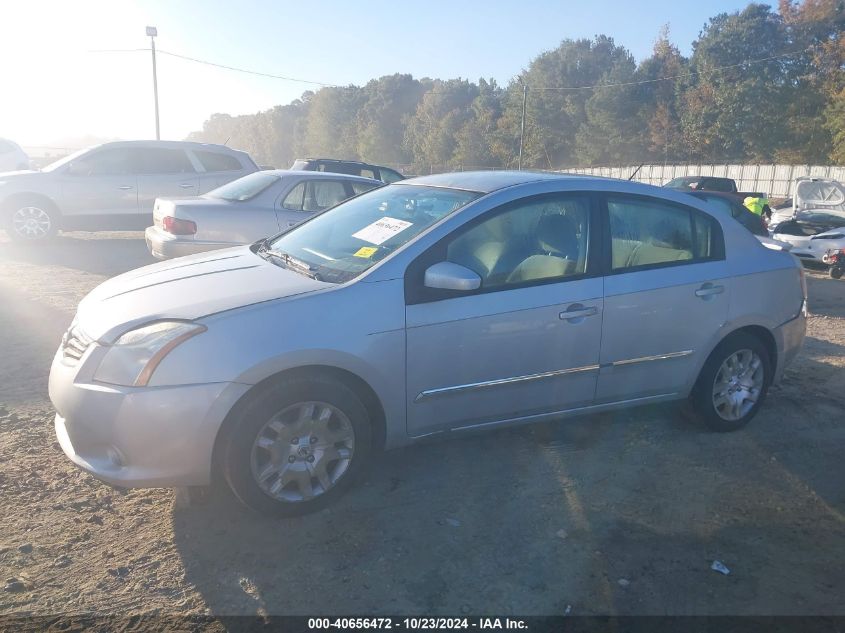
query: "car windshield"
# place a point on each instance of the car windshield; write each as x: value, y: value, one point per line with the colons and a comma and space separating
x: 343, y: 242
x: 64, y: 161
x: 685, y: 181
x: 244, y: 188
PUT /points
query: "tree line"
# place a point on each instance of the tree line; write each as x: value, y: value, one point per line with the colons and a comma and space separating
x: 761, y: 85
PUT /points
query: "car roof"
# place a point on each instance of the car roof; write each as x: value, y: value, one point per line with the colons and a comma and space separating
x: 299, y: 173
x: 172, y: 145
x: 348, y: 162
x: 488, y: 181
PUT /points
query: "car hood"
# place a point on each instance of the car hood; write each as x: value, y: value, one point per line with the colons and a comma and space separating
x: 21, y: 175
x: 187, y: 288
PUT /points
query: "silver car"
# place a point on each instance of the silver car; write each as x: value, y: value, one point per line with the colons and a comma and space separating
x: 247, y: 209
x: 112, y: 186
x: 437, y: 305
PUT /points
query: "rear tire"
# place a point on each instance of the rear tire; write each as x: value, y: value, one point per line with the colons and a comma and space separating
x: 298, y: 446
x: 835, y: 272
x: 31, y: 221
x: 733, y: 383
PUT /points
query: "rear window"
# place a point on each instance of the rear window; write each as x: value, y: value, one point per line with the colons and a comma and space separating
x: 719, y: 184
x: 389, y: 175
x: 244, y: 188
x: 361, y: 187
x: 215, y: 161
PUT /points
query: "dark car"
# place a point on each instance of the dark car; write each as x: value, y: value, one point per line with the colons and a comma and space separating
x: 728, y: 203
x: 350, y: 167
x: 711, y: 183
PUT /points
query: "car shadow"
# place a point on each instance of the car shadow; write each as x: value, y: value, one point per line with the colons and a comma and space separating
x: 826, y: 296
x: 103, y: 253
x: 606, y: 514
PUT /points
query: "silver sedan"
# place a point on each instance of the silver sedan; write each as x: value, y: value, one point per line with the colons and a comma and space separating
x: 433, y: 306
x: 258, y: 205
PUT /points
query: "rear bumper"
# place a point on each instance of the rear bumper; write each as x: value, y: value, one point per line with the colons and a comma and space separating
x: 790, y: 338
x: 165, y: 245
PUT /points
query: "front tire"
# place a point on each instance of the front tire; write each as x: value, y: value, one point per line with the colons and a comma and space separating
x: 733, y: 383
x: 31, y: 220
x: 297, y: 446
x: 835, y: 272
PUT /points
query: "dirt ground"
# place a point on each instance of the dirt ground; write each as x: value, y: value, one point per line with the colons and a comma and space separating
x: 612, y: 514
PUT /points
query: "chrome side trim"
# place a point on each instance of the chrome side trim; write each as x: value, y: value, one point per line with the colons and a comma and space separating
x: 550, y: 415
x: 647, y: 359
x: 431, y: 393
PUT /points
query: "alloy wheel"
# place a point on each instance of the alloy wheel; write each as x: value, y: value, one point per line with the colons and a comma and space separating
x: 738, y: 385
x: 302, y: 451
x: 31, y: 223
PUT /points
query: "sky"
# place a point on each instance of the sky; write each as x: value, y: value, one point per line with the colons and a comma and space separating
x: 57, y: 91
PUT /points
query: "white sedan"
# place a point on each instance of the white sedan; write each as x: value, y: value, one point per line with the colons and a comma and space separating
x: 813, y: 234
x: 259, y: 205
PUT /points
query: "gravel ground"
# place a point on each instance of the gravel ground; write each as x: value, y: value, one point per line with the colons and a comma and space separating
x: 612, y: 514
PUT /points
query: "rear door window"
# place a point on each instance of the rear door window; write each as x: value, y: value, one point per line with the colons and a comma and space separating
x: 322, y: 194
x: 646, y: 233
x: 161, y: 160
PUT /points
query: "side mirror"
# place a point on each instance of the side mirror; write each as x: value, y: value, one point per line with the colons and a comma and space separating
x: 449, y: 276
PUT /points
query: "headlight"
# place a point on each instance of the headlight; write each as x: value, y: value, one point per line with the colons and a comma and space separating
x: 133, y: 358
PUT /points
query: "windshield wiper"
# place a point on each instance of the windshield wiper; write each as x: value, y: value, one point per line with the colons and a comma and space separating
x: 290, y: 262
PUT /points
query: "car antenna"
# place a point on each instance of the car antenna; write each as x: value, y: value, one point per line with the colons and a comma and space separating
x: 631, y: 177
x: 226, y: 142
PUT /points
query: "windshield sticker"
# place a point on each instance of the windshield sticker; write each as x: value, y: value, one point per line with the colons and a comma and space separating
x: 382, y: 230
x: 366, y: 251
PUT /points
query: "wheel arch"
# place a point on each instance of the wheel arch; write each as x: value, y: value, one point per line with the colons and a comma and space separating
x: 359, y: 386
x: 760, y: 332
x: 9, y: 202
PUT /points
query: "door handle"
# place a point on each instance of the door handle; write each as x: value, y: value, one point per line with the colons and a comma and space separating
x: 125, y: 187
x: 709, y: 290
x: 578, y: 311
x: 187, y: 185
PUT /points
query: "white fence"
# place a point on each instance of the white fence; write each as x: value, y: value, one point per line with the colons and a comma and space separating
x: 775, y: 180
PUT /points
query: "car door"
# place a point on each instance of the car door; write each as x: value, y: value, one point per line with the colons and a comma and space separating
x: 309, y: 197
x: 99, y: 189
x: 163, y: 172
x: 527, y: 342
x: 666, y: 295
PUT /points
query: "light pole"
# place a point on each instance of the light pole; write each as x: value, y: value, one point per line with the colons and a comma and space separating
x: 522, y: 124
x: 152, y: 32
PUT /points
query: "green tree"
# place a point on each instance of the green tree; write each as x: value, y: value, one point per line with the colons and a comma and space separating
x: 734, y: 107
x: 557, y: 99
x: 659, y: 114
x: 386, y: 106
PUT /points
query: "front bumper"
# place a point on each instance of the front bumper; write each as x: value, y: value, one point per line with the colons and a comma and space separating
x: 138, y: 437
x: 163, y: 245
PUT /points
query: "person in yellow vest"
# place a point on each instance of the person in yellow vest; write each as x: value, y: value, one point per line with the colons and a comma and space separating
x: 758, y: 206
